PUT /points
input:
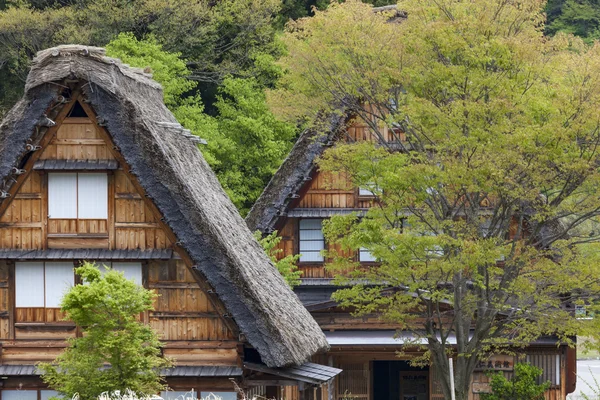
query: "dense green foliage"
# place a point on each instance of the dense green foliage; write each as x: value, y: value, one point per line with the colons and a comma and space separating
x: 500, y: 163
x: 522, y: 386
x: 579, y: 17
x: 227, y: 45
x: 107, y: 308
x: 246, y: 143
x: 287, y: 265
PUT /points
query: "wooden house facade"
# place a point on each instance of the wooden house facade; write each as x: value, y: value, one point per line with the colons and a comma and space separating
x: 93, y: 167
x: 295, y: 203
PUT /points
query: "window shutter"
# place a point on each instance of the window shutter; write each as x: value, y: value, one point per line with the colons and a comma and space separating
x: 47, y: 394
x: 312, y: 240
x: 62, y: 195
x: 29, y: 284
x: 366, y: 256
x: 59, y: 279
x: 131, y: 270
x: 92, y: 196
x: 19, y: 395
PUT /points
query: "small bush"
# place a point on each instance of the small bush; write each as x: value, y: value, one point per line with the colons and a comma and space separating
x: 522, y: 386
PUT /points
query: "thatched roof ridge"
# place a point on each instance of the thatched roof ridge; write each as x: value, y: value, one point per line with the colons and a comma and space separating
x: 290, y: 177
x: 178, y: 180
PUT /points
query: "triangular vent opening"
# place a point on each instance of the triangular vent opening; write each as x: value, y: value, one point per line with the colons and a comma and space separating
x: 77, y: 111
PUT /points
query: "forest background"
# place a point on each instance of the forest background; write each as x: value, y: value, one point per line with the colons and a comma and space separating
x: 214, y: 58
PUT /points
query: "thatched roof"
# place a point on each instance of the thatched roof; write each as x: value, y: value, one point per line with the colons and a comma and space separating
x: 290, y: 177
x: 178, y: 180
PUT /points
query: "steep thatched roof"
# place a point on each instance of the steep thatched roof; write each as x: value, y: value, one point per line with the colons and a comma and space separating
x: 290, y: 177
x: 178, y: 180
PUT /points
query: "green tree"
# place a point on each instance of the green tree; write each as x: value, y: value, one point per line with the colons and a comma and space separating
x: 246, y: 143
x: 107, y: 308
x: 579, y: 17
x: 522, y: 386
x: 217, y: 39
x: 169, y: 69
x: 286, y: 266
x: 487, y: 214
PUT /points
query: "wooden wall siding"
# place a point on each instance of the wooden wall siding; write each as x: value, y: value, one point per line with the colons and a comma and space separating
x: 136, y: 226
x: 182, y: 311
x: 328, y: 190
x: 360, y: 132
x: 21, y: 223
x: 77, y: 226
x: 38, y: 314
x: 341, y: 320
x: 77, y: 139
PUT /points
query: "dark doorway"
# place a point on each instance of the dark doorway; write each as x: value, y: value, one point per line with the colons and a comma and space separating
x: 397, y: 380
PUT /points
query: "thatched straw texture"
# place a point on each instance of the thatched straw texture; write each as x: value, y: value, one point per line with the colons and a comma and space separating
x: 289, y: 178
x: 179, y: 181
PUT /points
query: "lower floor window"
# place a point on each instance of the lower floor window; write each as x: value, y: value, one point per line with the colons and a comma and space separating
x: 550, y: 365
x: 42, y: 284
x: 193, y: 395
x: 131, y: 270
x: 28, y: 394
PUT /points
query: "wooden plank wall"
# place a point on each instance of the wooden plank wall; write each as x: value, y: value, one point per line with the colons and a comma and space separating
x: 21, y: 224
x: 77, y: 139
x: 136, y: 226
x: 328, y: 190
x: 184, y: 314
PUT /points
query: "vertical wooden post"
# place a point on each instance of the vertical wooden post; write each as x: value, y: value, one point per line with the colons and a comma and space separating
x: 11, y: 299
x: 111, y: 210
x: 44, y: 209
x: 146, y: 285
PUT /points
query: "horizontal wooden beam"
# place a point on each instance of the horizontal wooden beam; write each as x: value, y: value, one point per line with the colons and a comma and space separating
x: 270, y: 382
x: 201, y: 344
x: 137, y: 225
x: 21, y: 225
x: 78, y: 142
x: 182, y: 314
x: 128, y: 196
x: 173, y: 285
x: 28, y: 196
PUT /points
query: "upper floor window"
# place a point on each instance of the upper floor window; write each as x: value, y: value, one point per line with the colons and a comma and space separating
x: 312, y: 241
x: 364, y: 255
x: 42, y: 284
x: 78, y: 195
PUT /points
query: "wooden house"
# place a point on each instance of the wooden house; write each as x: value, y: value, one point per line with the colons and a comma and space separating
x: 94, y: 167
x: 294, y: 204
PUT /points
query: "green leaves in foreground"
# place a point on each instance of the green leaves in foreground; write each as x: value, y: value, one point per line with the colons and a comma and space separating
x: 116, y: 351
x: 286, y: 266
x: 522, y: 386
